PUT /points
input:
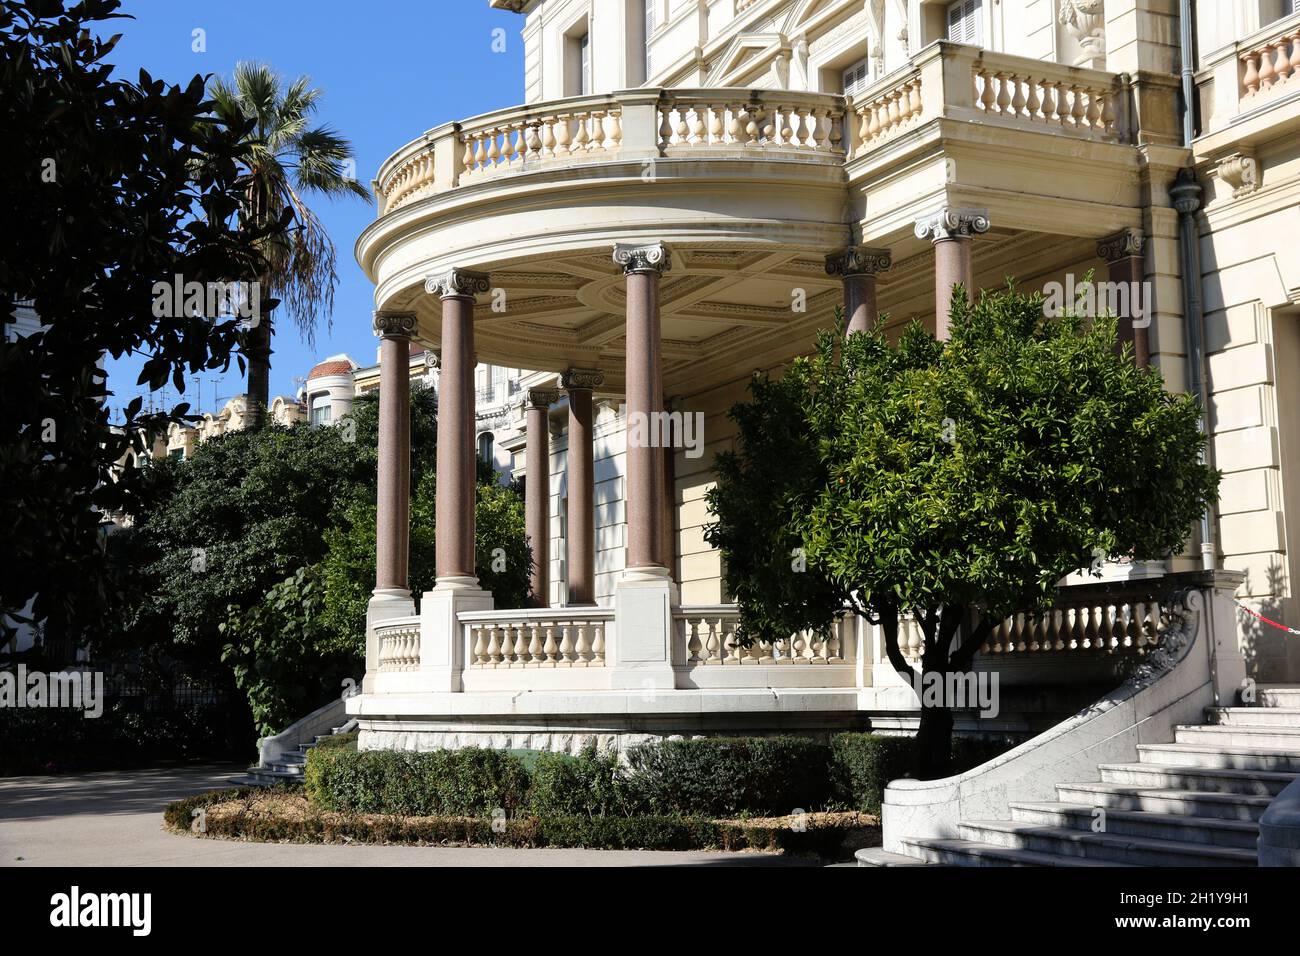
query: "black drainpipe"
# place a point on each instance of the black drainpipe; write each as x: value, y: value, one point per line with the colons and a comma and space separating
x: 1186, y: 194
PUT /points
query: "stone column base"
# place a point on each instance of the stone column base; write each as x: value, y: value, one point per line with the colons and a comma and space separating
x: 442, y: 651
x: 384, y: 604
x: 642, y: 651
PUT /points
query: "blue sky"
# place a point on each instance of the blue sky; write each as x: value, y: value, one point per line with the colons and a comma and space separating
x: 390, y: 69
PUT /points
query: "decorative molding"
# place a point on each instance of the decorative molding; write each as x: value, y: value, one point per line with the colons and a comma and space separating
x: 513, y: 6
x: 1241, y: 172
x: 648, y: 257
x: 585, y: 378
x: 947, y: 223
x: 394, y: 325
x: 542, y: 397
x: 858, y: 261
x: 1086, y: 22
x: 1125, y: 244
x: 457, y: 283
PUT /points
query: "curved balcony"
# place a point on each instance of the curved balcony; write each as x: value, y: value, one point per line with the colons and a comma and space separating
x: 750, y: 188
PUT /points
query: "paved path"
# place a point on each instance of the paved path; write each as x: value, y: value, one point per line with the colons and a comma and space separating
x: 115, y: 819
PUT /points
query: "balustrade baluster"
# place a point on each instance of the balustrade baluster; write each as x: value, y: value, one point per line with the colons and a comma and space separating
x: 597, y: 642
x: 534, y: 645
x: 567, y: 651
x: 549, y: 646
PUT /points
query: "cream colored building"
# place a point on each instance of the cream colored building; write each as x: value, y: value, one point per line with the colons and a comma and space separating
x: 688, y: 191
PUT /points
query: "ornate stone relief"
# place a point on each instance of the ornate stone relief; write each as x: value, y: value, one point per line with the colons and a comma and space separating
x: 1086, y: 22
x: 949, y: 223
x: 1128, y: 244
x: 588, y: 378
x: 457, y: 282
x: 394, y: 325
x: 650, y: 257
x: 1241, y: 172
x: 858, y: 260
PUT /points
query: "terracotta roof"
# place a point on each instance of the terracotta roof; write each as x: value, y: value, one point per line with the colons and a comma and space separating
x: 341, y: 367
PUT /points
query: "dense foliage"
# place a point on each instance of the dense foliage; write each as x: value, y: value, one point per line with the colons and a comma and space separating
x: 955, y: 481
x: 711, y: 777
x: 256, y: 556
x: 103, y: 177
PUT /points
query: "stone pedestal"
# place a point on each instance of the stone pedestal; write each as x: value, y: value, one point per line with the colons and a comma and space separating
x: 442, y: 645
x: 641, y: 654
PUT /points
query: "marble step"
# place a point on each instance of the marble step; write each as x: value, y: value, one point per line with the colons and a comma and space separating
x: 1229, y: 758
x: 1107, y: 847
x: 1286, y: 697
x: 1254, y: 716
x: 970, y: 853
x: 1229, y: 736
x: 1216, y: 831
x: 1213, y: 779
x: 1192, y: 803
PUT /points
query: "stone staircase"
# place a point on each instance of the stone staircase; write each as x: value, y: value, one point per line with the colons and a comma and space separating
x: 1193, y: 802
x: 288, y: 768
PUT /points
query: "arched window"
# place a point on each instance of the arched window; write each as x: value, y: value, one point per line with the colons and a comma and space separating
x: 485, y: 447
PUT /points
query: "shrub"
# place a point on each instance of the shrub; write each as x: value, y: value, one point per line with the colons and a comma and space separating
x: 591, y: 784
x: 723, y: 776
x: 346, y: 741
x: 467, y: 781
x: 863, y: 764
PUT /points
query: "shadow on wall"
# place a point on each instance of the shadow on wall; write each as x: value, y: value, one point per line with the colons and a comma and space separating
x: 1266, y: 649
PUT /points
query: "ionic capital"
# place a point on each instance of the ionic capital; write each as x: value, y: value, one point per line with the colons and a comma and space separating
x: 949, y: 223
x: 642, y: 257
x: 541, y: 397
x: 584, y: 378
x: 394, y: 325
x: 858, y: 261
x: 457, y: 284
x: 1125, y: 244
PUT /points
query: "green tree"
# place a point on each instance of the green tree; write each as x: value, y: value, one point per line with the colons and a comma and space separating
x: 958, y: 482
x: 287, y: 160
x: 105, y: 197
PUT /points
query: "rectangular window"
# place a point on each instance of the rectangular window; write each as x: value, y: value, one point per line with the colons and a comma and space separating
x: 966, y: 22
x: 321, y: 414
x: 856, y: 78
x: 650, y: 29
x: 584, y: 48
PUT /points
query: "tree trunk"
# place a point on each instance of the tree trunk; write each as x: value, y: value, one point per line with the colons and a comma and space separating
x: 258, y: 352
x: 932, y: 749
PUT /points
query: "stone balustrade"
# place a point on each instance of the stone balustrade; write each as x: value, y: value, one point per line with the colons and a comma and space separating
x: 588, y: 128
x: 706, y: 636
x: 1044, y: 95
x: 1249, y: 75
x: 399, y: 644
x: 692, y: 121
x: 1273, y: 66
x: 945, y: 80
x: 541, y: 638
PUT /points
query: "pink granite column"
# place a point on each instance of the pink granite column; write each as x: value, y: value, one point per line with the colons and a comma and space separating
x: 580, y: 538
x: 393, y: 504
x: 951, y: 231
x: 858, y: 266
x: 455, y: 506
x: 668, y: 508
x: 537, y: 488
x: 1123, y: 255
x: 643, y: 265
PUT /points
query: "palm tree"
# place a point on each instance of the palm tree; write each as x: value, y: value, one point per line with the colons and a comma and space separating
x: 286, y: 159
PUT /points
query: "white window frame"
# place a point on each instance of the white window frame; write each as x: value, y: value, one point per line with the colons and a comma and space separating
x: 584, y: 64
x: 856, y: 77
x: 970, y: 20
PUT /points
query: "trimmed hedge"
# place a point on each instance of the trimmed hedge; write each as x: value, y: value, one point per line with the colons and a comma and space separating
x: 725, y: 776
x: 431, y: 783
x: 709, y: 777
x: 863, y: 764
x: 640, y: 832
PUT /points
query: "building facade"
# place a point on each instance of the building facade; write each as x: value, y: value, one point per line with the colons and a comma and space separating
x: 687, y: 193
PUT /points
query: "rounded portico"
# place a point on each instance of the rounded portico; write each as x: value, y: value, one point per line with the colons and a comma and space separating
x: 650, y: 248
